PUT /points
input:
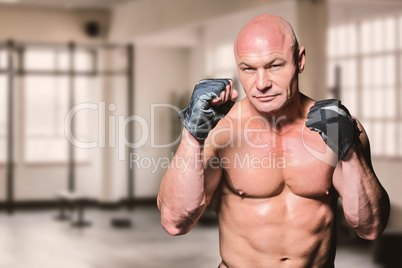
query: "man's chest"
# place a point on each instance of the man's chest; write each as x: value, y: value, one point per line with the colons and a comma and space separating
x: 263, y: 164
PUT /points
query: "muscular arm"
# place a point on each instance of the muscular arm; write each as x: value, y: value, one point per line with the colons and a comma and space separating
x: 365, y: 202
x: 187, y: 186
x: 194, y: 173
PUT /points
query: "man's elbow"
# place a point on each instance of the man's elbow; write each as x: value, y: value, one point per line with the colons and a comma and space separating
x: 371, y: 233
x: 377, y: 226
x: 172, y: 228
x: 179, y: 223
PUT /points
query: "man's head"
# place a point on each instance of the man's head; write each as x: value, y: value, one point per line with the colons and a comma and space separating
x: 268, y: 60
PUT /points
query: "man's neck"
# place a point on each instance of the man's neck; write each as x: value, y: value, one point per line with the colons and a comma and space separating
x: 293, y: 110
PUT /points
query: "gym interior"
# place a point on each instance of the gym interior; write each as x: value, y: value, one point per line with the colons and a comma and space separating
x: 89, y: 92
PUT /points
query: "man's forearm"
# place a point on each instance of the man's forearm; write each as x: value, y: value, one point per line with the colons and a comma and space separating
x: 365, y: 202
x: 181, y: 197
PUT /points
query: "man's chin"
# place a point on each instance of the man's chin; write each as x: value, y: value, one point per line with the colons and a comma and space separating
x: 269, y: 107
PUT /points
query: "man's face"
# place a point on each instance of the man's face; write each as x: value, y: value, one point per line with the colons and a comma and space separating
x: 267, y: 72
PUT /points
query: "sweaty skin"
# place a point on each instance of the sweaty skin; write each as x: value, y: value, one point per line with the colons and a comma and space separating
x: 276, y: 204
x: 273, y: 183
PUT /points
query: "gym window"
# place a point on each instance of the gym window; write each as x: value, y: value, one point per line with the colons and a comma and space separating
x: 364, y: 70
x: 46, y: 103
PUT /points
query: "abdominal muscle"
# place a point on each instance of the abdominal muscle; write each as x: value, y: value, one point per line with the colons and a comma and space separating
x: 285, y: 230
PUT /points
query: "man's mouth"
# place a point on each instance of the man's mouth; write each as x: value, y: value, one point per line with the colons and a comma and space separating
x: 265, y: 98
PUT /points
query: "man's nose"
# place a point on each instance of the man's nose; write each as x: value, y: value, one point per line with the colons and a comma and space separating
x: 264, y: 81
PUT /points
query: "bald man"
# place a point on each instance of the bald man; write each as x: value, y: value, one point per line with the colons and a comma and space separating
x: 271, y: 168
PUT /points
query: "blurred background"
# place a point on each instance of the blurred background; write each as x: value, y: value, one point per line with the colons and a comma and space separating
x: 89, y: 91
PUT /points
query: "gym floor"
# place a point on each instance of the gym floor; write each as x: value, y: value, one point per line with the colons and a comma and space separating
x: 36, y: 240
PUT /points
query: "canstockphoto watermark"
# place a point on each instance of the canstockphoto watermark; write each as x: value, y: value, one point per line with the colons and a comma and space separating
x: 237, y: 161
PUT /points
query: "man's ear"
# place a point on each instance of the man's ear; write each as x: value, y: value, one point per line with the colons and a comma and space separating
x: 301, y: 59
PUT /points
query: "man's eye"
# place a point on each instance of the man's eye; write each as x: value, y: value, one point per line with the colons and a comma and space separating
x: 248, y: 69
x: 275, y: 66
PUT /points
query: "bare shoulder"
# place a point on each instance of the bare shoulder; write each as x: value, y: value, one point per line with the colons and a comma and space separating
x: 364, y: 141
x: 363, y: 135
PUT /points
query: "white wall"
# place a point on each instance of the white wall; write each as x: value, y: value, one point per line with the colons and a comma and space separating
x: 141, y: 17
x: 49, y: 25
x: 311, y: 28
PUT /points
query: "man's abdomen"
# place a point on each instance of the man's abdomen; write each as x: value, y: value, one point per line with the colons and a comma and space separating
x: 285, y: 230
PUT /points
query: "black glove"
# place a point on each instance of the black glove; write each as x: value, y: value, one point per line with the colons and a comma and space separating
x: 335, y: 125
x: 200, y: 116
